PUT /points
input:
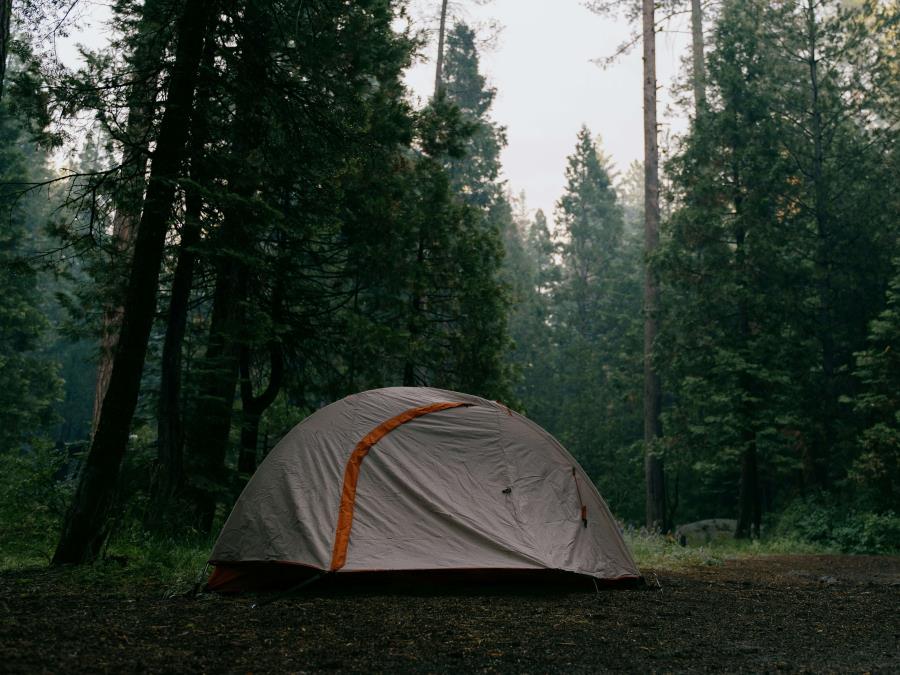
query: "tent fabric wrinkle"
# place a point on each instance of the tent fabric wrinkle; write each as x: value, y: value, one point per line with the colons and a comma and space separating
x: 351, y: 474
x: 417, y: 479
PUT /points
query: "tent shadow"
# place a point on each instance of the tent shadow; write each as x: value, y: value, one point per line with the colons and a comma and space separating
x: 302, y: 582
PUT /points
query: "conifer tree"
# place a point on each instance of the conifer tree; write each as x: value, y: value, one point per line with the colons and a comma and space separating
x: 86, y: 526
x: 876, y: 470
x: 596, y: 315
x: 29, y: 385
x: 758, y: 327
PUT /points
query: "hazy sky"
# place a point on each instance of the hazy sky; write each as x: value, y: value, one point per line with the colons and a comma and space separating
x: 546, y: 85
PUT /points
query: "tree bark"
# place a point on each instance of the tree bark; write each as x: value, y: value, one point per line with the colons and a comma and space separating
x: 411, y: 375
x: 653, y: 464
x: 253, y: 407
x: 169, y: 473
x: 439, y: 66
x: 749, y: 512
x: 698, y: 62
x: 86, y: 525
x: 208, y: 442
x: 218, y: 378
x: 5, y: 17
x: 748, y: 521
x: 823, y: 438
x: 141, y: 101
x: 170, y: 435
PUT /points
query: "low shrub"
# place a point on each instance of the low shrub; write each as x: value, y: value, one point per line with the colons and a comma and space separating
x: 35, y: 490
x: 820, y: 520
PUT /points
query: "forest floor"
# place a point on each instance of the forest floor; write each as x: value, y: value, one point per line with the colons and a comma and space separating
x: 792, y: 613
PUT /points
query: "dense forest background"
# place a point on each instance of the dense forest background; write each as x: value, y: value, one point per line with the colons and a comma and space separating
x: 261, y: 222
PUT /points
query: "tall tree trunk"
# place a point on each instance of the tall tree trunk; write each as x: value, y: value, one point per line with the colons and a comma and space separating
x: 653, y: 464
x: 748, y: 497
x: 218, y: 378
x: 252, y: 407
x: 439, y: 66
x: 208, y: 441
x: 823, y: 438
x: 417, y: 302
x: 5, y: 17
x: 749, y: 513
x: 129, y: 200
x: 86, y: 525
x: 170, y: 434
x: 698, y: 61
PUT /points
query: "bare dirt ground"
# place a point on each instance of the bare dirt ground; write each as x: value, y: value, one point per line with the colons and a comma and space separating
x: 790, y: 613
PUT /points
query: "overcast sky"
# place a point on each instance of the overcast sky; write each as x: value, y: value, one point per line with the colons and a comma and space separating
x: 547, y: 86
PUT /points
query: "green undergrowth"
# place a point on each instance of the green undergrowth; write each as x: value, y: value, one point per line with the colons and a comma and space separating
x: 157, y: 565
x: 660, y: 552
x: 34, y: 493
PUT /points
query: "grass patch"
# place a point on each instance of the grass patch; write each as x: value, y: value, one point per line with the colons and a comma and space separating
x: 656, y: 551
x: 158, y: 565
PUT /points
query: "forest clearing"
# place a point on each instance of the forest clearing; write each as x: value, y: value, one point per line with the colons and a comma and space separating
x: 819, y: 613
x: 364, y: 293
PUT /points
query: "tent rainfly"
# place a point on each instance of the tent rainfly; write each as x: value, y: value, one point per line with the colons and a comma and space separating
x: 410, y: 479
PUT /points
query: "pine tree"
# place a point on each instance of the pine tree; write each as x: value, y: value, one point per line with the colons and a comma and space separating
x: 29, y: 385
x: 595, y: 317
x: 876, y: 470
x: 85, y: 529
x: 757, y: 323
x: 477, y: 332
x: 281, y: 249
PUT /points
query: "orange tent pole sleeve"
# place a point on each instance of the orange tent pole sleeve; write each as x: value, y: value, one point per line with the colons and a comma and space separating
x: 351, y: 475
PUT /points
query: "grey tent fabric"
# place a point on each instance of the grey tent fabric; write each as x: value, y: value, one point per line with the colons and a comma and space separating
x: 475, y: 486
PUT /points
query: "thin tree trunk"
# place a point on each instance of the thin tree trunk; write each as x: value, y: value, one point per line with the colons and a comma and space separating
x: 253, y: 407
x: 170, y: 434
x: 410, y: 374
x: 698, y: 62
x: 439, y: 67
x: 86, y: 525
x: 748, y: 491
x: 653, y: 464
x: 218, y: 378
x: 208, y: 442
x: 823, y: 439
x: 749, y: 513
x: 5, y: 17
x: 146, y: 65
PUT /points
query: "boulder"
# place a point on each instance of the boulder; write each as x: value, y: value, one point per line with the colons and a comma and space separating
x: 705, y: 531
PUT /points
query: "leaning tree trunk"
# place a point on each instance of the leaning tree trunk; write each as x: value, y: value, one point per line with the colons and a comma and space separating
x: 86, y: 525
x: 653, y: 465
x: 439, y: 66
x: 141, y: 101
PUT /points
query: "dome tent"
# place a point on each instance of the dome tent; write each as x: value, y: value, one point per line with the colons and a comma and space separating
x: 408, y: 479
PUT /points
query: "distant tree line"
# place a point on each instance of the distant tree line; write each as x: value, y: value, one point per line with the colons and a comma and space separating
x: 778, y: 273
